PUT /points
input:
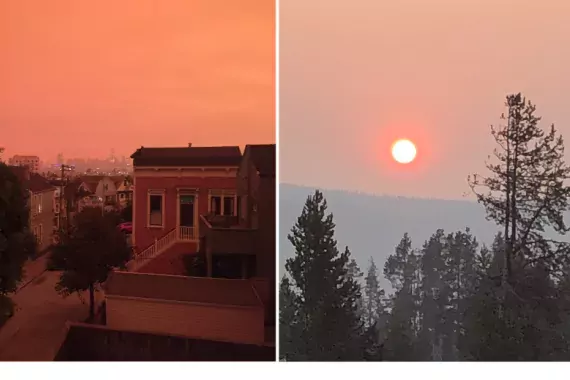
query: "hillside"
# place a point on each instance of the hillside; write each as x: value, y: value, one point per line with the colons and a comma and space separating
x: 373, y: 225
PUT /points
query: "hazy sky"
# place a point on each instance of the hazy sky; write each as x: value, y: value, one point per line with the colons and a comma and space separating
x: 357, y: 74
x: 82, y: 77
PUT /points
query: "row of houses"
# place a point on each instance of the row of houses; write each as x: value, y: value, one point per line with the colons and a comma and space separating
x: 212, y: 203
x: 53, y: 201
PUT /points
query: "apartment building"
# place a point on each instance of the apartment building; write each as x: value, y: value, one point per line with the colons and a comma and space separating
x: 32, y: 162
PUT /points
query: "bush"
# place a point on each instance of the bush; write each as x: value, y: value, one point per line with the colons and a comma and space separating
x: 6, y: 309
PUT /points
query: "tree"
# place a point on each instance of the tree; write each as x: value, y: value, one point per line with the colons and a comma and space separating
x: 374, y: 308
x: 355, y: 274
x: 90, y: 250
x: 526, y: 191
x: 17, y: 243
x: 288, y: 321
x: 330, y: 328
x: 434, y: 298
x: 401, y: 269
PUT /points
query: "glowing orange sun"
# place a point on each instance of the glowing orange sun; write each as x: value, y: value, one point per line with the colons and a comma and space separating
x: 404, y: 151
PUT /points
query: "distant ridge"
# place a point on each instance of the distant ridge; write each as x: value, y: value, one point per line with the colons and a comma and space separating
x: 372, y: 225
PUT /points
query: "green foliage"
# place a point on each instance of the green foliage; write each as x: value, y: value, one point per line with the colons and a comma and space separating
x: 289, y: 322
x: 17, y: 243
x: 327, y: 294
x: 91, y: 249
x: 527, y: 190
x: 452, y: 298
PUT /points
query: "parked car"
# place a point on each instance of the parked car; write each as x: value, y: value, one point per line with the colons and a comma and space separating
x: 126, y: 227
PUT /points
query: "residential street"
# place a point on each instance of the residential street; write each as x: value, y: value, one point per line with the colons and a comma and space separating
x: 37, y: 328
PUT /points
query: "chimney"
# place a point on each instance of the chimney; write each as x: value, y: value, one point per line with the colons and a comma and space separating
x: 189, y: 145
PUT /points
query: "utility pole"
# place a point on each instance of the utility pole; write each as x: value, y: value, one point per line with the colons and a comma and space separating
x: 63, y: 182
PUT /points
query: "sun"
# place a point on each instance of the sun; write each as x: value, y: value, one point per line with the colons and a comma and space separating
x: 404, y: 151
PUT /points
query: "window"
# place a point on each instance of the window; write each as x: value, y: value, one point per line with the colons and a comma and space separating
x: 155, y: 210
x: 39, y: 203
x: 38, y: 233
x: 122, y: 195
x: 216, y: 205
x: 228, y: 206
x: 222, y: 204
x: 238, y: 208
x: 105, y: 187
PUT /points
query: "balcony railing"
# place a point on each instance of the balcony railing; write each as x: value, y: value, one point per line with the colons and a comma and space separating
x: 187, y: 233
x: 223, y: 237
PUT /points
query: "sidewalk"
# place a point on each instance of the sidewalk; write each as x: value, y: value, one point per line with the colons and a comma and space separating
x: 32, y: 270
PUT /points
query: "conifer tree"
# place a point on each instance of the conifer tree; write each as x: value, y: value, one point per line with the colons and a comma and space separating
x: 330, y: 328
x: 374, y: 313
x: 288, y: 322
x: 527, y: 189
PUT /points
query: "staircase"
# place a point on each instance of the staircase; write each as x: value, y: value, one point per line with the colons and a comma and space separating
x: 177, y: 234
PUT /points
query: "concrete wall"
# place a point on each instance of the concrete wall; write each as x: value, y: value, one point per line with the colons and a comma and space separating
x: 100, y: 343
x: 213, y: 322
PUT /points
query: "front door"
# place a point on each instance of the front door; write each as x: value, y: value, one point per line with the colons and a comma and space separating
x: 187, y: 210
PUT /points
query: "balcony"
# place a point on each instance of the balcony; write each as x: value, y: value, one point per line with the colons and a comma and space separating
x: 223, y: 235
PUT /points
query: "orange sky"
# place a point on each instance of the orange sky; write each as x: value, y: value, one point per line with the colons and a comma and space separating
x: 357, y: 74
x: 82, y: 77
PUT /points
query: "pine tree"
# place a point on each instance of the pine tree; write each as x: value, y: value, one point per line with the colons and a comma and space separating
x: 401, y: 269
x: 459, y: 277
x: 374, y: 308
x: 330, y: 328
x: 527, y: 190
x: 288, y: 322
x: 434, y: 298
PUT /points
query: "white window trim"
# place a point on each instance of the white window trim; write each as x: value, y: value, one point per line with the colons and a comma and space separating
x: 162, y: 193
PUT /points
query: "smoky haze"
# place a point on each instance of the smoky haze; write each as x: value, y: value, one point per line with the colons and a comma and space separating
x: 436, y: 72
x: 81, y: 77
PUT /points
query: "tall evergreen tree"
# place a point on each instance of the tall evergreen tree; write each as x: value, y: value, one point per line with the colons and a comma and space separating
x: 401, y: 269
x: 374, y: 308
x: 288, y: 321
x: 434, y: 298
x: 527, y: 190
x: 330, y: 328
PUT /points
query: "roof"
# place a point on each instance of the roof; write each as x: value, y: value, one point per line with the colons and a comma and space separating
x: 92, y: 181
x: 32, y: 181
x: 88, y: 342
x: 188, y: 156
x: 21, y: 172
x: 118, y: 179
x: 215, y: 291
x: 263, y: 158
x: 72, y: 188
x: 39, y: 184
